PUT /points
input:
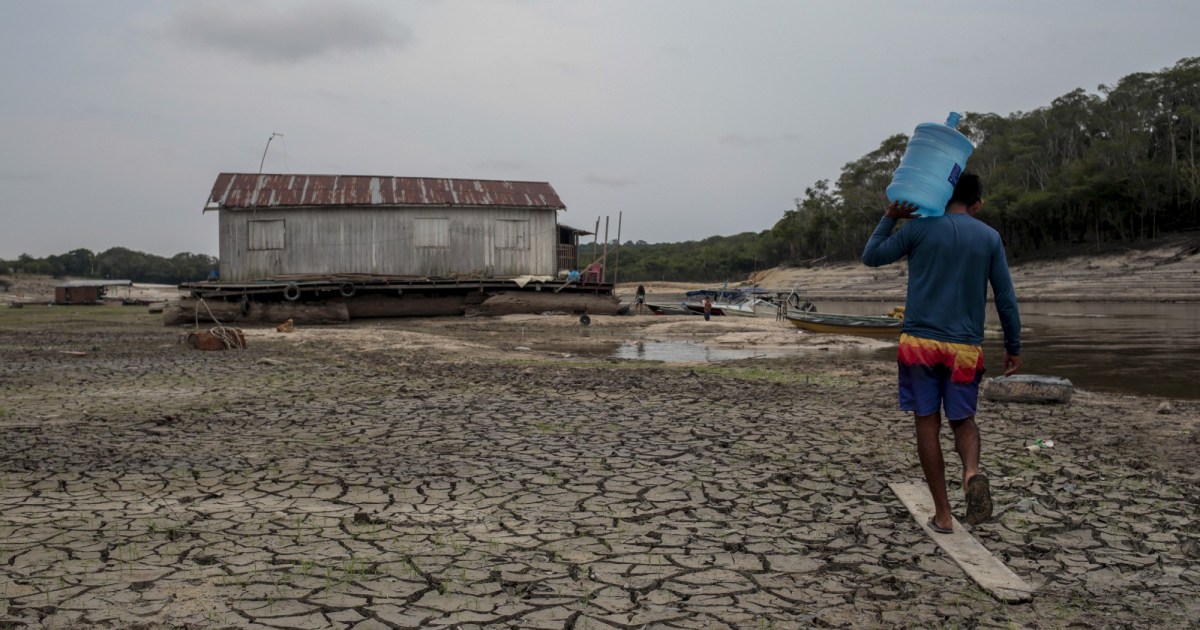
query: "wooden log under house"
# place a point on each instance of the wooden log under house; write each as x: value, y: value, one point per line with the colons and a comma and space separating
x: 190, y: 310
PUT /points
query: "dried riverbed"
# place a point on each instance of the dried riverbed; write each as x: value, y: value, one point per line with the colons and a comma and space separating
x: 429, y: 473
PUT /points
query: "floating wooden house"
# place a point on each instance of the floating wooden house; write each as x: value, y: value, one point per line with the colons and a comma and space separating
x: 274, y: 226
x: 329, y: 248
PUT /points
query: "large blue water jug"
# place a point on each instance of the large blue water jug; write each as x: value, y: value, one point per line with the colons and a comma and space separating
x: 935, y: 157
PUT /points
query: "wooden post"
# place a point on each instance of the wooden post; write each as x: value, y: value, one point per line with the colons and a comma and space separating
x: 604, y: 272
x: 617, y: 252
x: 595, y: 238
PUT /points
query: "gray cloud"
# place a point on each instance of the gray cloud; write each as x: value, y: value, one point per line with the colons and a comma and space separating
x: 738, y: 140
x: 270, y: 32
x: 502, y: 165
x: 15, y: 176
x: 611, y: 182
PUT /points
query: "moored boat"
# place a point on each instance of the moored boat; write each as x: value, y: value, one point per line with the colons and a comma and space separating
x: 746, y: 302
x: 669, y: 309
x: 870, y: 325
x: 698, y: 308
x: 750, y: 307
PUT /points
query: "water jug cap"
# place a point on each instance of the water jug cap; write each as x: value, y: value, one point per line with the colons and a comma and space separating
x: 952, y: 120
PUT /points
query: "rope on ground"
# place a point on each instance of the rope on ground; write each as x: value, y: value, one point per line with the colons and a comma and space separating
x: 227, y: 335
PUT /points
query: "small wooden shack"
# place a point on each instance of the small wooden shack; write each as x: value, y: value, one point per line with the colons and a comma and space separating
x: 273, y: 226
x: 85, y: 291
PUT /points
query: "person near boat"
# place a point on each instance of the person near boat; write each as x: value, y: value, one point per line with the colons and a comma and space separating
x: 951, y: 261
x: 707, y: 308
x: 640, y: 298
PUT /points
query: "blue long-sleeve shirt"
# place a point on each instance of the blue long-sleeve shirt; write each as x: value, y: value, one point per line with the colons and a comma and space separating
x: 951, y: 260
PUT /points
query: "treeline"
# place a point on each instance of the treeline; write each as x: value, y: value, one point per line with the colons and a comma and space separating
x: 1117, y: 166
x: 116, y: 263
x: 714, y: 259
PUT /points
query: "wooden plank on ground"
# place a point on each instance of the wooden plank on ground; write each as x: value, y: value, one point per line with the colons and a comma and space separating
x: 987, y: 570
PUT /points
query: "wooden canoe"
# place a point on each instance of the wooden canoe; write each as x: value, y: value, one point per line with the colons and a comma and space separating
x: 669, y: 309
x: 869, y: 325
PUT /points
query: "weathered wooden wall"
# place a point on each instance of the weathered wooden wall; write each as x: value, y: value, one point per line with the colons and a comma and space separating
x: 423, y: 242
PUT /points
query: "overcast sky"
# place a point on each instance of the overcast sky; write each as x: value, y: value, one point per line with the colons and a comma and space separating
x: 693, y: 117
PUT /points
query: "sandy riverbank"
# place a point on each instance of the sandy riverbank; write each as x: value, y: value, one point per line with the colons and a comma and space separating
x: 435, y: 472
x: 1166, y: 272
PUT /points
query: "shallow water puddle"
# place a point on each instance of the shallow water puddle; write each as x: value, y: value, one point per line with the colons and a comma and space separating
x: 684, y: 351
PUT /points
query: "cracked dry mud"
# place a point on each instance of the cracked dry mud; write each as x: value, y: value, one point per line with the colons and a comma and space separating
x: 149, y: 485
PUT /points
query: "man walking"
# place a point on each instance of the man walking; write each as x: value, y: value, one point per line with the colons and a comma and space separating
x: 951, y: 260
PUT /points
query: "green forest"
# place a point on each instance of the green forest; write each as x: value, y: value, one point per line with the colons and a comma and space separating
x: 1090, y: 169
x: 116, y: 263
x: 1117, y: 166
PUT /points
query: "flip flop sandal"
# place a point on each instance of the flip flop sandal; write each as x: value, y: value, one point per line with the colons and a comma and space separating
x: 979, y: 500
x: 941, y: 530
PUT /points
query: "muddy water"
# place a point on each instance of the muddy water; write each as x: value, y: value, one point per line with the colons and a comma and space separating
x: 1140, y: 348
x: 1145, y: 349
x: 678, y: 351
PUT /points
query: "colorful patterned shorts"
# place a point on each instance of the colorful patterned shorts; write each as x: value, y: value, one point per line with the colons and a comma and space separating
x: 934, y: 374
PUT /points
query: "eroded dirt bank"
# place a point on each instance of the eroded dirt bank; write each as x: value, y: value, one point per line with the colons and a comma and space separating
x: 428, y: 473
x: 1168, y: 271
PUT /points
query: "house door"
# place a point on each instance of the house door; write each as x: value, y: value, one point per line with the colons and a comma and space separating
x: 432, y: 240
x: 512, y: 248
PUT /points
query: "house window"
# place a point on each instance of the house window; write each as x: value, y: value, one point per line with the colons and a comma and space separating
x: 512, y: 234
x: 430, y: 232
x: 265, y: 234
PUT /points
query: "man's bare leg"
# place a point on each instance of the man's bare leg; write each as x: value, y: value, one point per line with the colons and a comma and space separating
x: 929, y: 451
x: 967, y: 443
x: 975, y: 485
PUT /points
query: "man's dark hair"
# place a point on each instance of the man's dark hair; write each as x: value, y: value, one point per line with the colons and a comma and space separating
x: 967, y: 191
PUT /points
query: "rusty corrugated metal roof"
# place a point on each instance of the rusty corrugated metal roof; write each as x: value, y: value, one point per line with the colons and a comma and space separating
x: 576, y: 230
x: 251, y: 190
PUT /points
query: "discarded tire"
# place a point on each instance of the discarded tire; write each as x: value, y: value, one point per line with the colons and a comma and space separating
x: 1031, y: 388
x: 291, y: 292
x: 347, y: 289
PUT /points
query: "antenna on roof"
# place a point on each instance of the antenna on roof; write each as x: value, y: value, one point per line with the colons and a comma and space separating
x: 264, y: 157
